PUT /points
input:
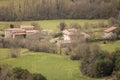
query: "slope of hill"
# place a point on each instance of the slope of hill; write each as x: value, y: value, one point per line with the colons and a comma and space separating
x: 53, y: 67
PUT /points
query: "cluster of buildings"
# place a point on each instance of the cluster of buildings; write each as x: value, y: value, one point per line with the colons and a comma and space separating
x: 24, y: 31
x: 28, y: 31
x: 70, y: 35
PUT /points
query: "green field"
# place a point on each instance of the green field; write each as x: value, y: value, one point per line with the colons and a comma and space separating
x: 3, y: 53
x: 110, y: 46
x: 4, y: 2
x: 54, y: 67
x: 50, y: 24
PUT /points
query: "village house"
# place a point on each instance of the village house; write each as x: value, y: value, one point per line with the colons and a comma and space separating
x: 23, y: 32
x: 27, y: 27
x: 68, y: 36
x: 111, y: 33
x: 68, y: 33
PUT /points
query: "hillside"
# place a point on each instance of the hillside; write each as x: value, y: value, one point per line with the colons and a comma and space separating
x: 54, y: 67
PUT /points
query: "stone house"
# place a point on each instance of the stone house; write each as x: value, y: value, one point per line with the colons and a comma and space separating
x: 69, y: 36
x: 23, y: 32
x: 111, y: 33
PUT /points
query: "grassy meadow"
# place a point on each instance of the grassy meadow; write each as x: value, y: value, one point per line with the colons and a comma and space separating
x: 4, y: 2
x: 52, y: 66
x: 3, y: 53
x: 110, y: 46
x: 50, y: 24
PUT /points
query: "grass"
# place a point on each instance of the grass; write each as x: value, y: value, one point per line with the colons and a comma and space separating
x: 3, y: 52
x: 54, y: 67
x: 4, y: 2
x: 50, y: 24
x: 110, y: 46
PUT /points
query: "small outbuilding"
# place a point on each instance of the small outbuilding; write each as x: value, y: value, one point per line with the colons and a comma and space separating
x: 111, y: 33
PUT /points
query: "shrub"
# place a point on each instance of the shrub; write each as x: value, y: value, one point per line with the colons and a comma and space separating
x: 12, y: 43
x: 102, y: 68
x: 36, y: 25
x: 57, y: 35
x: 84, y: 48
x: 74, y: 57
x: 102, y: 24
x: 97, y: 64
x: 112, y: 21
x: 14, y: 52
x: 62, y: 26
x: 43, y: 46
x: 38, y: 77
x: 118, y: 76
x: 75, y: 25
x: 9, y: 73
x: 116, y: 60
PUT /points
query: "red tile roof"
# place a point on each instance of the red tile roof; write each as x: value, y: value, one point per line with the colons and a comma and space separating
x: 20, y: 33
x: 14, y: 29
x: 26, y: 27
x: 110, y: 29
x: 32, y: 31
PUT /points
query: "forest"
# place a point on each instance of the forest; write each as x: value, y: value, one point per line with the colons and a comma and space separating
x: 18, y: 10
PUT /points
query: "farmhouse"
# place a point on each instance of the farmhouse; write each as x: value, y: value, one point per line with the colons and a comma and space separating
x: 68, y: 33
x: 27, y: 27
x: 23, y: 32
x: 111, y: 33
x: 69, y: 36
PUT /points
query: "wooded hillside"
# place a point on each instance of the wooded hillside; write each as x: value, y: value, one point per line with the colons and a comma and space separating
x: 58, y: 9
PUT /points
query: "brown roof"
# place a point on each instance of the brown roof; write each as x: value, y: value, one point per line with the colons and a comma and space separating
x: 20, y: 33
x: 110, y: 29
x: 13, y: 29
x: 26, y: 27
x: 32, y: 31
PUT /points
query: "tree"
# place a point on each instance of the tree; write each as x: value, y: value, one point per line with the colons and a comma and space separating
x: 97, y: 64
x: 9, y: 73
x: 62, y: 26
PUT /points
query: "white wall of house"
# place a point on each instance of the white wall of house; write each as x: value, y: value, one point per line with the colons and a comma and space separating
x: 110, y: 35
x: 8, y: 34
x: 66, y: 37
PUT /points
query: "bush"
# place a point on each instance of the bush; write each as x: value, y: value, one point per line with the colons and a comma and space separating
x: 62, y: 26
x: 102, y: 68
x: 38, y: 77
x: 74, y: 57
x: 57, y: 35
x: 116, y: 60
x: 97, y: 64
x: 79, y: 51
x: 14, y: 43
x: 9, y: 73
x: 43, y: 46
x: 14, y: 52
x: 102, y: 24
x: 118, y: 76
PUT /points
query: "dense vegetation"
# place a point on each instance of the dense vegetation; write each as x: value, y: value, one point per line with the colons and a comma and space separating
x: 8, y: 73
x: 52, y: 66
x: 58, y: 9
x: 97, y: 64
